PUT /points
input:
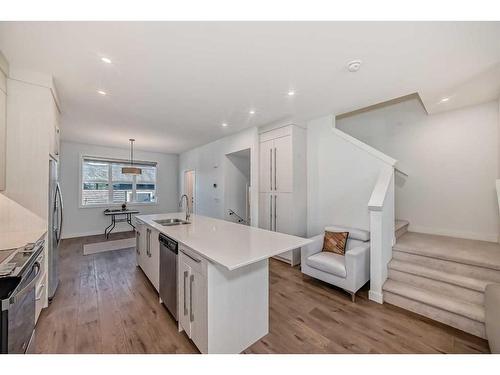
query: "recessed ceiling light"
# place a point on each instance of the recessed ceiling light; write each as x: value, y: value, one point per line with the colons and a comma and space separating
x: 252, y: 112
x: 291, y: 93
x: 101, y: 92
x: 445, y: 100
x: 106, y: 60
x: 224, y: 124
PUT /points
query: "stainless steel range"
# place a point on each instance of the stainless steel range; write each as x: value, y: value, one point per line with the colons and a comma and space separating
x: 17, y: 297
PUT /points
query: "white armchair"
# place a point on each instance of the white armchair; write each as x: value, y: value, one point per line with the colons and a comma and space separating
x: 349, y: 272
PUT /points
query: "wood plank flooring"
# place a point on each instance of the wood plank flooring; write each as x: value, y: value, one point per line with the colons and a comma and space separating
x: 105, y: 304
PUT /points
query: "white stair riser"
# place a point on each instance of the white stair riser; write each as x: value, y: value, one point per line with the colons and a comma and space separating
x: 480, y: 273
x: 436, y: 286
x: 465, y: 324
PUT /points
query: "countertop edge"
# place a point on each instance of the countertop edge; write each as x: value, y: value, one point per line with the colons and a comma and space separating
x: 159, y: 228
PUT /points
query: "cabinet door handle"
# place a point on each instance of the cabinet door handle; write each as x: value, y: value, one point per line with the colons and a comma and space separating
x: 185, y: 303
x: 270, y: 212
x: 149, y: 243
x: 191, y: 313
x: 137, y: 242
x: 270, y: 169
x: 275, y: 169
x: 275, y: 201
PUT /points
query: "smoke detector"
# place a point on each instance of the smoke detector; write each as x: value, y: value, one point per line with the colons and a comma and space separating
x: 354, y: 65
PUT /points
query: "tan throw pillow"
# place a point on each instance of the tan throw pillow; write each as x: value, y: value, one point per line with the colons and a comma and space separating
x: 335, y: 242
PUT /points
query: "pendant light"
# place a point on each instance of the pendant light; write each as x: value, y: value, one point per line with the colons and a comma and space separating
x: 131, y: 170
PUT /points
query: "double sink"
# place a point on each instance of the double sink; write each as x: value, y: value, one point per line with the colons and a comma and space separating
x: 171, y: 222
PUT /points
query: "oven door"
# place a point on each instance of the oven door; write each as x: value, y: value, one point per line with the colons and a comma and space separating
x: 21, y: 313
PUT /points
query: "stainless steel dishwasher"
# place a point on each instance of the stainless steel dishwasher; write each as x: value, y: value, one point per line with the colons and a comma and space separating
x: 169, y: 250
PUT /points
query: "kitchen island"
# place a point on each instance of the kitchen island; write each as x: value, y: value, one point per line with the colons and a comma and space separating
x: 223, y: 278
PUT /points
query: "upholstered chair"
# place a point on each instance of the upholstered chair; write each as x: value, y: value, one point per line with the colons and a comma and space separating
x: 349, y: 272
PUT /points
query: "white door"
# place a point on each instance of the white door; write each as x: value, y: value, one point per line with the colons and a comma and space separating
x: 189, y: 189
x: 283, y: 164
x: 184, y: 273
x: 198, y: 310
x: 266, y: 165
x: 265, y: 211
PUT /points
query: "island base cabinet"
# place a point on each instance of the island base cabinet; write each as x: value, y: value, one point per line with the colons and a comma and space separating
x: 222, y: 311
x: 193, y: 298
x: 148, y: 253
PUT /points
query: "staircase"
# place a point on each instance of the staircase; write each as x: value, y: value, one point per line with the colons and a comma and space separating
x: 442, y: 278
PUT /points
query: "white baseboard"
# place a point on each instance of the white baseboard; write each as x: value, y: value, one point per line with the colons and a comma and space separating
x: 445, y: 232
x: 376, y: 296
x: 91, y: 233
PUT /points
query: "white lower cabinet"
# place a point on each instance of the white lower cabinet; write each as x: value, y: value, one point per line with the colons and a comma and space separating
x: 40, y: 296
x: 277, y: 213
x: 222, y: 311
x: 193, y: 297
x: 148, y: 253
x: 140, y: 244
x: 154, y: 259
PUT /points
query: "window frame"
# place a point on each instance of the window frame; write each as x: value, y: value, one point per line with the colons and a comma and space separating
x: 110, y: 182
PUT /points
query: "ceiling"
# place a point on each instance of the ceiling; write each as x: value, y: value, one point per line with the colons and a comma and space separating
x: 172, y: 84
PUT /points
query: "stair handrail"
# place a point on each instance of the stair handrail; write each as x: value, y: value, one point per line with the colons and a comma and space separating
x: 380, y: 190
x: 240, y: 219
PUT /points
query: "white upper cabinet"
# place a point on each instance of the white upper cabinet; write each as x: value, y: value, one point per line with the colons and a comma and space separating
x: 54, y: 138
x: 3, y: 119
x: 283, y: 164
x: 3, y: 130
x: 266, y: 166
x: 276, y: 165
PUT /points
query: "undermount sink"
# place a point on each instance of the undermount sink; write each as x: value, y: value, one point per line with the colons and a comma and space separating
x: 170, y: 222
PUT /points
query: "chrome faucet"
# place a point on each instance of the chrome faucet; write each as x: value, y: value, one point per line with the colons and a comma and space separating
x: 187, y: 205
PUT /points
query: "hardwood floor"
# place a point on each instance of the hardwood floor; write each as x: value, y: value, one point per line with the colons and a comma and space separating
x: 105, y: 304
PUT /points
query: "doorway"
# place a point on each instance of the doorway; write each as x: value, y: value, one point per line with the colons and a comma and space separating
x: 190, y: 188
x: 237, y: 187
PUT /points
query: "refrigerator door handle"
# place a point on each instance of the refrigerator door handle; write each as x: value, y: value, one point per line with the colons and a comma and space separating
x: 60, y: 215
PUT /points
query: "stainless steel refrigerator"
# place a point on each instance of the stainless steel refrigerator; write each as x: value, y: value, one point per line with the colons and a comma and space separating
x: 55, y: 226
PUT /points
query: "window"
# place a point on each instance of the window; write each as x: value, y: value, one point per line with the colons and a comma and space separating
x: 103, y: 183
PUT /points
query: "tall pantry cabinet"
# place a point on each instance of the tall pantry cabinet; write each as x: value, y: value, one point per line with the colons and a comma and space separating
x: 283, y: 184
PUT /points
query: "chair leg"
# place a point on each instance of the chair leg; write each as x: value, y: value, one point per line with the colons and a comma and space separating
x: 353, y: 296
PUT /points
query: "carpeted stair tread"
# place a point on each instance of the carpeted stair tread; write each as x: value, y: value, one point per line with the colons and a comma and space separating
x: 435, y: 274
x: 470, y: 310
x: 398, y: 224
x: 471, y: 252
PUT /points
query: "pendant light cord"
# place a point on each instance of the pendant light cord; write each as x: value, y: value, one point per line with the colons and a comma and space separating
x: 131, y: 151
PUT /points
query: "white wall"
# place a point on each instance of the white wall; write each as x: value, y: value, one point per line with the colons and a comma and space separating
x: 208, y: 161
x: 340, y: 178
x: 88, y: 221
x: 452, y: 161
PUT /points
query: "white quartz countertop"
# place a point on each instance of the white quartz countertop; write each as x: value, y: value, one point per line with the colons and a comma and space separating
x: 228, y: 244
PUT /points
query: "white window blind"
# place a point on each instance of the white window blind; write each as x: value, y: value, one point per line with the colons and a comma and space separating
x: 102, y: 182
